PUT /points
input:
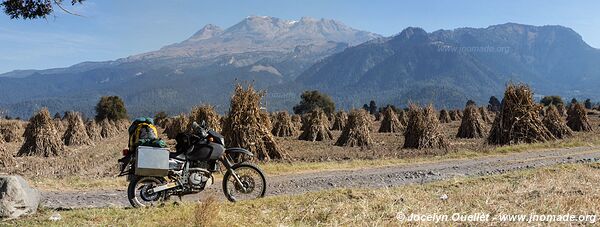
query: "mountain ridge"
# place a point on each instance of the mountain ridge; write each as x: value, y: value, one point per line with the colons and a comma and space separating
x: 470, y: 63
x: 263, y: 50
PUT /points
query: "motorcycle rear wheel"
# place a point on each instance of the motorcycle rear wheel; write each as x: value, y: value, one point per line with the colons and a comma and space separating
x: 254, y: 184
x: 138, y: 195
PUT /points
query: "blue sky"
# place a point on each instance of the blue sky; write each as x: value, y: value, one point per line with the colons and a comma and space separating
x: 111, y: 29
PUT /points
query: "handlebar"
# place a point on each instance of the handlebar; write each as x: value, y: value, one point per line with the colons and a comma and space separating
x: 200, y: 129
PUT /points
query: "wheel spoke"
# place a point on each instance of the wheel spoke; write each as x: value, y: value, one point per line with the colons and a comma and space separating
x: 248, y: 185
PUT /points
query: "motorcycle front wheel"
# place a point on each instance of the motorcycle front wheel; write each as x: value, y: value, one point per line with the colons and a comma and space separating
x: 138, y: 193
x: 244, y: 181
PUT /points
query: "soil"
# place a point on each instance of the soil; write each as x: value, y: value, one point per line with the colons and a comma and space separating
x: 380, y: 177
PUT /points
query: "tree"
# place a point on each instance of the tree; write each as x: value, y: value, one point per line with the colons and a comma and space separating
x: 470, y: 102
x: 366, y: 107
x: 494, y: 104
x: 313, y: 99
x: 160, y: 116
x: 588, y: 104
x: 33, y: 9
x: 552, y: 100
x: 574, y: 100
x: 57, y: 116
x: 111, y: 107
x: 372, y: 107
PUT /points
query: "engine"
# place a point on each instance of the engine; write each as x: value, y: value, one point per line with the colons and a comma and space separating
x: 199, y: 180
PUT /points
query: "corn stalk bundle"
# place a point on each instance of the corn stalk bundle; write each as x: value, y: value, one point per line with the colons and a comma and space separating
x: 6, y: 158
x: 284, y: 126
x: 561, y: 110
x: 454, y: 115
x: 390, y: 122
x: 402, y: 116
x: 423, y: 130
x: 11, y: 131
x: 518, y: 120
x: 108, y: 129
x: 556, y: 124
x: 339, y: 120
x: 207, y: 114
x: 245, y: 127
x: 471, y: 125
x: 357, y: 132
x: 316, y: 127
x: 93, y: 130
x: 41, y: 137
x: 445, y: 116
x: 176, y: 125
x: 577, y: 118
x: 265, y: 117
x: 76, y: 133
x: 485, y: 115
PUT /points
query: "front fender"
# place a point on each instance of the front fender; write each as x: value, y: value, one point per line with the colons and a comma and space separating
x: 238, y: 150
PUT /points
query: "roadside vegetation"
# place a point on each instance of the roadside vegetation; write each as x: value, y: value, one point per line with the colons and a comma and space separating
x: 557, y: 189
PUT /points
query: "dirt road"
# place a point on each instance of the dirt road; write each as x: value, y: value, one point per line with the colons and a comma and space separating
x: 363, y: 178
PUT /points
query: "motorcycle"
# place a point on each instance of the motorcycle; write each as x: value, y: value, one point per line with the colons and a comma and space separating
x: 191, y: 169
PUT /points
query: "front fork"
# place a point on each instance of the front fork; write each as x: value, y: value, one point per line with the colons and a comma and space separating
x: 226, y: 160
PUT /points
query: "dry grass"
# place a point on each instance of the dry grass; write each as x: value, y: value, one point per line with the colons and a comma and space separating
x: 558, y: 189
x: 206, y: 212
